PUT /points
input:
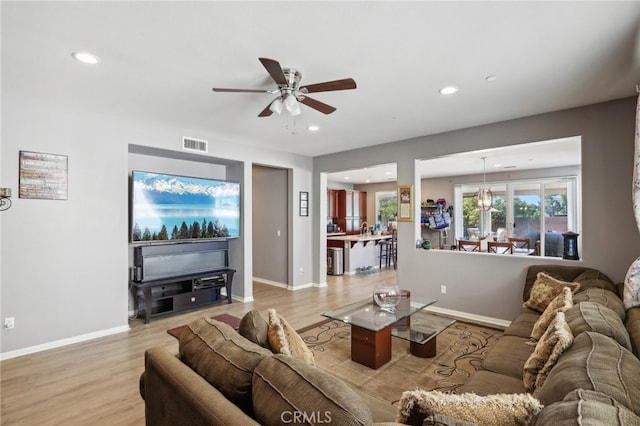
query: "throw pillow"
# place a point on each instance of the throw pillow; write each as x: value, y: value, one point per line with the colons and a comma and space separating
x: 287, y: 390
x: 553, y: 342
x: 254, y: 327
x: 561, y: 303
x: 284, y: 339
x: 222, y: 357
x: 498, y: 409
x: 545, y: 289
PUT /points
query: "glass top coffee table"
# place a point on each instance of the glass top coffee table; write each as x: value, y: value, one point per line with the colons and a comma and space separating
x: 372, y: 328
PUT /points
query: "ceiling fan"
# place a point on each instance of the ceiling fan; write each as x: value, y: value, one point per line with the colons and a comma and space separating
x: 289, y: 93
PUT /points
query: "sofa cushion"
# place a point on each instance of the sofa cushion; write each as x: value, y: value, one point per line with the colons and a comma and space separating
x: 545, y: 289
x: 632, y: 323
x: 285, y: 340
x: 485, y: 382
x: 254, y: 327
x: 556, y: 339
x: 603, y: 297
x: 523, y: 323
x: 588, y: 408
x: 221, y: 356
x: 599, y: 363
x: 499, y: 409
x: 561, y: 303
x: 591, y: 316
x: 508, y: 356
x: 592, y: 278
x: 284, y: 387
x: 561, y: 272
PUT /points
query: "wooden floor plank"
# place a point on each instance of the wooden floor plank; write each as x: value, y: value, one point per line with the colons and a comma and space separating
x: 96, y: 382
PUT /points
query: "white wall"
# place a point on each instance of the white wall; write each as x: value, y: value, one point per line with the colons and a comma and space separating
x: 489, y: 285
x: 64, y: 272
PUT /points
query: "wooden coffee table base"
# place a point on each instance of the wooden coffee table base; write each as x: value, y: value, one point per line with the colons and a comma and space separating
x: 424, y: 350
x: 370, y: 348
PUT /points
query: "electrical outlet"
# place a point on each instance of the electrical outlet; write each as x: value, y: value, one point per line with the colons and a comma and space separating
x: 443, y: 289
x: 9, y: 322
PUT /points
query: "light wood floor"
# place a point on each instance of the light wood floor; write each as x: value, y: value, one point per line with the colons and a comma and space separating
x: 96, y: 382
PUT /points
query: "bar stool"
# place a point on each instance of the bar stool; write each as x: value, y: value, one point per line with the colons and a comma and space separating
x: 389, y: 251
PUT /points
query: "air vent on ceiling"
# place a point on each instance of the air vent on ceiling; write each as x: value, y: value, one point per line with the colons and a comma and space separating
x: 192, y: 144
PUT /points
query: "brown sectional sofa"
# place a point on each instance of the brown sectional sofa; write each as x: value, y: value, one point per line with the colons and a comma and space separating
x: 598, y: 374
x: 596, y: 380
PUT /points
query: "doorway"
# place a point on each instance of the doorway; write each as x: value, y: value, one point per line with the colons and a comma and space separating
x: 270, y: 225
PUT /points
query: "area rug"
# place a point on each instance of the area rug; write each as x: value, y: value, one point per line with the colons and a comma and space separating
x: 460, y: 350
x: 226, y: 318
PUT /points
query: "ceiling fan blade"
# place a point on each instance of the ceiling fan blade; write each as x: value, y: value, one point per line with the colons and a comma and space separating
x: 275, y: 70
x: 218, y: 89
x: 320, y: 106
x: 328, y: 86
x: 266, y: 112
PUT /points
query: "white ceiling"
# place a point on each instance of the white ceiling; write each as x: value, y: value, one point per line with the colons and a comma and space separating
x: 159, y: 61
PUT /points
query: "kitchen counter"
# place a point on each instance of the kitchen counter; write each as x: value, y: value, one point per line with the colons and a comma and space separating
x: 357, y: 250
x: 357, y: 238
x: 335, y: 234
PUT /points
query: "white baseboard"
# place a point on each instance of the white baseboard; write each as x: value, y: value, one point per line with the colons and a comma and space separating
x: 282, y: 285
x: 63, y: 342
x: 472, y: 318
x: 269, y: 282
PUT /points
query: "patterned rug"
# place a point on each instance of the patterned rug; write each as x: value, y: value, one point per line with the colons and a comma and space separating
x: 460, y: 350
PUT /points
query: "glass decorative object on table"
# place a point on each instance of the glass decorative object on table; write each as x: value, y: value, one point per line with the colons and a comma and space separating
x: 387, y: 296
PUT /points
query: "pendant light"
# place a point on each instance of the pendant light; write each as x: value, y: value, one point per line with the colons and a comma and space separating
x: 485, y: 196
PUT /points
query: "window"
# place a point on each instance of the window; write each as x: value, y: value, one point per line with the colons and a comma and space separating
x: 386, y: 207
x: 539, y: 210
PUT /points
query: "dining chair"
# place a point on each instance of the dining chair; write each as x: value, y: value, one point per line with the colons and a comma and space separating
x: 520, y: 243
x: 521, y: 246
x: 500, y: 247
x: 469, y: 245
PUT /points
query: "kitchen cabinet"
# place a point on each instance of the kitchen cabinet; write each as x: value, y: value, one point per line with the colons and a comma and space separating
x: 351, y: 210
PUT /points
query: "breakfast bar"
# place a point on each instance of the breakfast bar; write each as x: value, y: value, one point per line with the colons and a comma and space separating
x: 360, y: 251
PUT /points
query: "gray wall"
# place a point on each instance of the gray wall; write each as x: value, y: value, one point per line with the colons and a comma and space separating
x: 270, y: 230
x: 491, y: 286
x: 64, y: 272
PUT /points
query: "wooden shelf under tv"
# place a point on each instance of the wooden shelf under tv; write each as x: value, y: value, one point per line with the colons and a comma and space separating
x: 175, y: 294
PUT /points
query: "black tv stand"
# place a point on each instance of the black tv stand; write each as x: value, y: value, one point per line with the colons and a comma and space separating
x: 175, y: 277
x: 169, y: 295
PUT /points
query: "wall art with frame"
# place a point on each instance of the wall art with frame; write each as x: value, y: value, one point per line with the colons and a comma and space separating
x: 405, y: 203
x: 43, y: 175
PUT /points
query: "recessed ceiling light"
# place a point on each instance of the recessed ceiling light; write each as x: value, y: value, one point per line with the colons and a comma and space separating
x: 491, y: 77
x: 313, y: 128
x: 346, y: 178
x: 448, y: 90
x: 85, y: 57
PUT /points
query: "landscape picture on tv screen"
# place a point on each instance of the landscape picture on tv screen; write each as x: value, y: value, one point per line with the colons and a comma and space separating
x: 170, y: 207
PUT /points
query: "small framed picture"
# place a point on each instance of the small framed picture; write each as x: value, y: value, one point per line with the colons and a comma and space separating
x: 304, y: 203
x: 405, y: 203
x: 43, y: 175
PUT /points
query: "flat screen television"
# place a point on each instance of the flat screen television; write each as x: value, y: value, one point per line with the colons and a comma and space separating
x: 170, y: 207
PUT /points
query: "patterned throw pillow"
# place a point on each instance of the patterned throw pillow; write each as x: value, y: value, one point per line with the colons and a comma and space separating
x: 545, y: 289
x: 550, y: 347
x: 497, y: 409
x: 284, y: 339
x: 562, y: 303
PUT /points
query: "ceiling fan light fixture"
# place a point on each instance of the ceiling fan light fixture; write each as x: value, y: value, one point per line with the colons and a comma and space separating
x: 276, y: 106
x: 292, y: 105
